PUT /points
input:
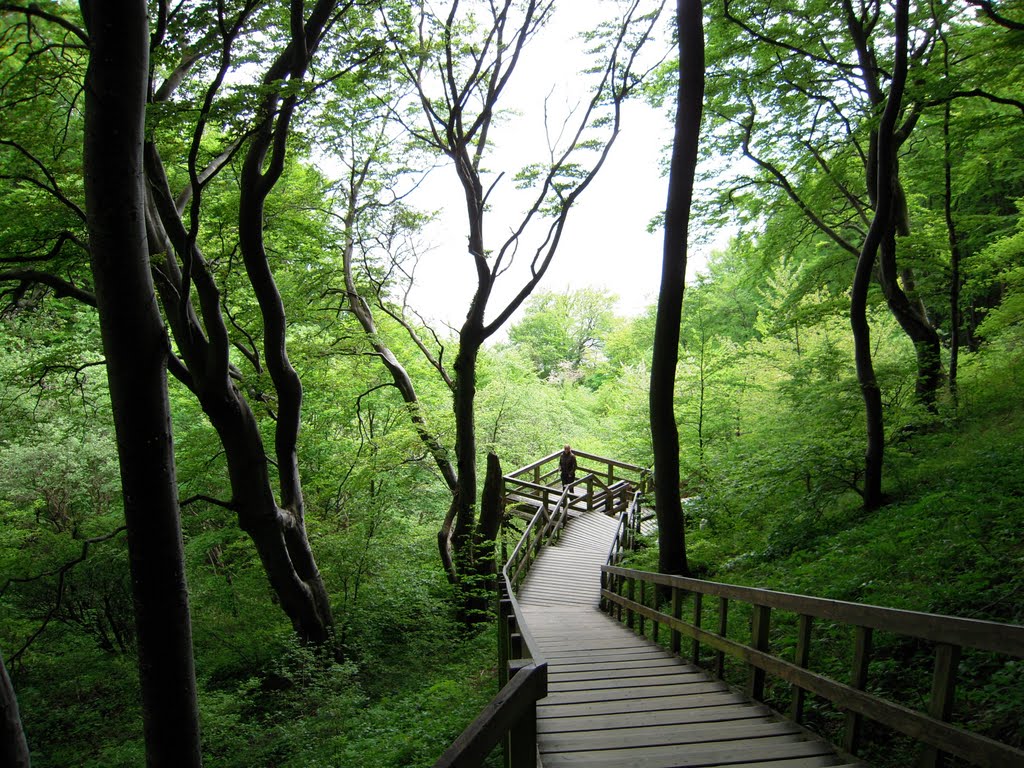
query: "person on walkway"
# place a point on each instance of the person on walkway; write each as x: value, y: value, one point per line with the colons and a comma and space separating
x: 567, y: 465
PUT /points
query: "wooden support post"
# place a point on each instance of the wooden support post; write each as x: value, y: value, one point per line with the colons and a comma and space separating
x: 723, y: 630
x: 523, y: 740
x: 858, y: 679
x: 619, y: 580
x: 643, y: 601
x: 803, y: 653
x: 504, y: 644
x: 515, y: 641
x: 677, y: 613
x: 759, y: 640
x: 940, y: 705
x: 630, y: 593
x: 698, y: 611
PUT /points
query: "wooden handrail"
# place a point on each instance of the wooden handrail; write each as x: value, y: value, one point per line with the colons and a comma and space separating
x: 950, y: 634
x: 511, y: 716
x: 514, y: 703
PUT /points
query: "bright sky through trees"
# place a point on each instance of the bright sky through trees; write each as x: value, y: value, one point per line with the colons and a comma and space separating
x: 606, y: 244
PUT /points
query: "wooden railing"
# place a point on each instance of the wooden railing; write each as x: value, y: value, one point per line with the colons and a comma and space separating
x: 632, y: 595
x: 603, y: 484
x: 511, y: 716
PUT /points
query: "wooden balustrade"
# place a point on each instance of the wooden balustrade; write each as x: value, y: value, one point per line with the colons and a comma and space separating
x: 949, y: 635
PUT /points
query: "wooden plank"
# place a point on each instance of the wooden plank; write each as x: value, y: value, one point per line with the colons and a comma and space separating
x: 653, y: 704
x: 722, y: 713
x: 635, y: 693
x: 813, y: 762
x: 664, y: 735
x: 609, y: 667
x: 591, y: 683
x: 574, y: 657
x: 725, y: 753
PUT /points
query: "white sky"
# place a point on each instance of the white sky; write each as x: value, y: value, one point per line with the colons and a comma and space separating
x: 605, y: 243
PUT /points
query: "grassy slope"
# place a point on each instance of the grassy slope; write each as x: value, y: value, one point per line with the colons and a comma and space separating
x: 950, y: 541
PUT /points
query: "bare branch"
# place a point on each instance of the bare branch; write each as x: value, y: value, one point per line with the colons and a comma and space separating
x: 209, y: 500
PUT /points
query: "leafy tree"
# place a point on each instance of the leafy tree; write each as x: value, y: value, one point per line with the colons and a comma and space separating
x: 563, y: 328
x: 207, y: 119
x: 815, y: 143
x: 459, y: 67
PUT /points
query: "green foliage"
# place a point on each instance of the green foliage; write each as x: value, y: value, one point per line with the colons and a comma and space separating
x: 563, y: 334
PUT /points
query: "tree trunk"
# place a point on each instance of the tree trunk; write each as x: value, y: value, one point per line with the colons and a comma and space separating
x: 664, y: 433
x: 280, y: 541
x: 136, y: 348
x: 954, y: 259
x: 914, y: 323
x: 277, y: 529
x: 13, y: 747
x: 465, y: 449
x: 882, y: 228
x: 485, y: 567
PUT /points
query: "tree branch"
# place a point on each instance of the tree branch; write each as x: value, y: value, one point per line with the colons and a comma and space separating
x: 61, y: 287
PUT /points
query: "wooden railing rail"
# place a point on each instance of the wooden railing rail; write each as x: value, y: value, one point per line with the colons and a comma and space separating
x: 626, y: 534
x: 949, y: 634
x: 510, y: 717
x: 590, y: 492
x: 608, y: 470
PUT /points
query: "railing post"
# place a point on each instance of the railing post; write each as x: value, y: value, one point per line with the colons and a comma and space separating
x: 723, y: 630
x: 630, y: 593
x: 759, y: 640
x: 677, y: 613
x: 940, y: 704
x: 618, y: 591
x: 698, y: 610
x: 858, y: 679
x: 643, y: 601
x: 803, y: 654
x: 515, y: 641
x: 504, y: 645
x: 522, y: 742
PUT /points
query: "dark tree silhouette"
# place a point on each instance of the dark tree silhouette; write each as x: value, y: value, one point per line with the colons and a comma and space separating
x: 136, y: 347
x: 664, y: 432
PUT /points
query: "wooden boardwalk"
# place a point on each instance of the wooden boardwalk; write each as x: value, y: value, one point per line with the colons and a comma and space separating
x: 616, y: 699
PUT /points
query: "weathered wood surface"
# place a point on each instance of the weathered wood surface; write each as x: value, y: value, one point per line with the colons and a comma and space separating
x: 615, y: 699
x: 569, y: 572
